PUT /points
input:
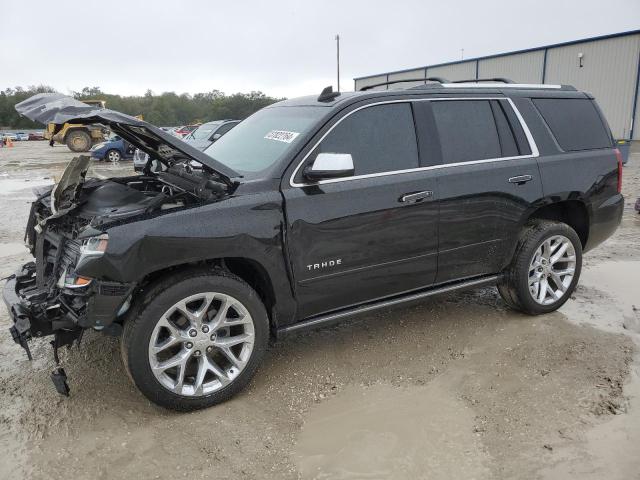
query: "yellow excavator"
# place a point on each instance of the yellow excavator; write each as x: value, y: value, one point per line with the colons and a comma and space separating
x: 79, y: 138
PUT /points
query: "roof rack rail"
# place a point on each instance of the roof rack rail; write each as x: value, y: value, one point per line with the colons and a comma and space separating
x: 407, y: 80
x: 477, y: 80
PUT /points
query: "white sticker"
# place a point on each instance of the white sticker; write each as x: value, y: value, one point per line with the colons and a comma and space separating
x: 281, y: 136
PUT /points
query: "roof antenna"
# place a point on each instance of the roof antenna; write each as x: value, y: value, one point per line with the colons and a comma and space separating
x: 328, y: 95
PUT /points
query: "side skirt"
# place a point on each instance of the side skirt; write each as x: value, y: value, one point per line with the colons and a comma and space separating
x: 331, y: 318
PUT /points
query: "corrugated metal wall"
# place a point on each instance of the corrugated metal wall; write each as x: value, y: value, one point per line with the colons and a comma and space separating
x: 457, y: 71
x: 372, y: 81
x: 418, y: 73
x: 521, y: 68
x: 609, y: 71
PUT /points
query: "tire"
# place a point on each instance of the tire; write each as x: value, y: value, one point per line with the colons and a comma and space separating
x: 532, y: 268
x: 157, y: 315
x: 113, y: 155
x: 78, y: 141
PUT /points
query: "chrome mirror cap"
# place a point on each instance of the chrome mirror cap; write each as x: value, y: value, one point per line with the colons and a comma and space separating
x: 330, y: 165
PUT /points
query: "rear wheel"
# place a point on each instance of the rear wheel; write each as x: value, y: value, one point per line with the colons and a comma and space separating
x: 78, y: 141
x: 197, y: 341
x: 545, y: 268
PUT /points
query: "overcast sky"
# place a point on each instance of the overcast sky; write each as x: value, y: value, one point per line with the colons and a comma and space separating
x: 283, y: 48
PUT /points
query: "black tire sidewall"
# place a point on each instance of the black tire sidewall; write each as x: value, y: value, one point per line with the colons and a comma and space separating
x: 75, y: 134
x: 139, y: 334
x: 525, y: 254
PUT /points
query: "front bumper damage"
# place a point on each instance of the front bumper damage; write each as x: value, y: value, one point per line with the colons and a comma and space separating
x: 38, y: 312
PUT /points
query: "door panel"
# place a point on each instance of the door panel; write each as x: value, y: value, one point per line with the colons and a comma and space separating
x: 354, y: 241
x: 488, y: 179
x: 480, y: 214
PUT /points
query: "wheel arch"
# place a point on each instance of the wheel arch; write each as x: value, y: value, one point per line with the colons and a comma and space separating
x: 572, y: 212
x: 249, y: 270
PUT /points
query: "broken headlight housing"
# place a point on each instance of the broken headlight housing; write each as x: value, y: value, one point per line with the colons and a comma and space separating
x: 91, y: 247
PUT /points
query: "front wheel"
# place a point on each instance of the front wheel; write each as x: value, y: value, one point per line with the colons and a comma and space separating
x: 197, y: 341
x: 545, y: 268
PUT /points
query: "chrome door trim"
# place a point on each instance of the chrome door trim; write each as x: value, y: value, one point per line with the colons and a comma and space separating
x: 532, y: 144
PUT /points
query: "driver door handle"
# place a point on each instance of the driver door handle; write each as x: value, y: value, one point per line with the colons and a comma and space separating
x: 416, y: 196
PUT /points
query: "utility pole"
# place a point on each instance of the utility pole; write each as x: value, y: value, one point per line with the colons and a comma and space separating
x: 338, y: 58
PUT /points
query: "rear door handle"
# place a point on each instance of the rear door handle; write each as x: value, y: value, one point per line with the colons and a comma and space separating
x: 416, y: 196
x: 521, y: 179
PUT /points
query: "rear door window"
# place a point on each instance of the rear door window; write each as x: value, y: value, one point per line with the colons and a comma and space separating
x: 380, y: 138
x: 574, y: 122
x: 467, y: 130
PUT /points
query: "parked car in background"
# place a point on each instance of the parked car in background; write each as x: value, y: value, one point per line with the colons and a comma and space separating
x: 113, y: 150
x: 22, y: 136
x: 209, y: 132
x: 186, y: 129
x: 39, y: 135
x: 9, y: 136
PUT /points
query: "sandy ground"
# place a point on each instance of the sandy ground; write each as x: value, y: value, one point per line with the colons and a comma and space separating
x: 456, y: 387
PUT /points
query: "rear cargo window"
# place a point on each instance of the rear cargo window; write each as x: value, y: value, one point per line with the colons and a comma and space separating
x: 574, y: 122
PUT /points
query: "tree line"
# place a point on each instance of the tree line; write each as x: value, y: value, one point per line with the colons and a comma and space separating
x: 165, y: 109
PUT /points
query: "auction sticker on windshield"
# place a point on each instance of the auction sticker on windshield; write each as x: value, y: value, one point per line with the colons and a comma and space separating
x: 281, y: 136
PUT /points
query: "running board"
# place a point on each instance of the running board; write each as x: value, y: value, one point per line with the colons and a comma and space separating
x: 330, y: 318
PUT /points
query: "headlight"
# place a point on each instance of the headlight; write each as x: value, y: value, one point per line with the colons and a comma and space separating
x: 93, y: 246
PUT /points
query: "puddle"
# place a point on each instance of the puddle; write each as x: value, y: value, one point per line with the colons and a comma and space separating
x: 9, y: 249
x: 611, y: 447
x: 9, y: 186
x: 388, y: 432
x: 619, y: 281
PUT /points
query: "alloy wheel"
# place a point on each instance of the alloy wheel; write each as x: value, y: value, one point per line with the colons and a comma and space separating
x: 201, y: 344
x: 552, y: 269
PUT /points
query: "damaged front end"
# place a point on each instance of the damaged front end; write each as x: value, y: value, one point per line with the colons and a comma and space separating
x: 68, y: 288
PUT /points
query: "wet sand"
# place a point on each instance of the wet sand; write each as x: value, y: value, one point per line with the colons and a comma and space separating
x: 458, y: 386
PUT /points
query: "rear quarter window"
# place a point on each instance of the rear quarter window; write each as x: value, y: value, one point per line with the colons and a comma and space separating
x: 574, y: 122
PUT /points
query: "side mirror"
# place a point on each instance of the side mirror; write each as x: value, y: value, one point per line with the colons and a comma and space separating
x: 330, y: 165
x: 216, y: 136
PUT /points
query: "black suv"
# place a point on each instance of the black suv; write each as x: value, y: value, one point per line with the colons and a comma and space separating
x: 307, y: 212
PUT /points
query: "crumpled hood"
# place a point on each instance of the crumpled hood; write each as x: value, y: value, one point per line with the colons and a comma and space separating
x: 59, y: 109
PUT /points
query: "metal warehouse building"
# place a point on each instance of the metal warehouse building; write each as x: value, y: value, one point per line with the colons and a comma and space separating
x: 608, y: 67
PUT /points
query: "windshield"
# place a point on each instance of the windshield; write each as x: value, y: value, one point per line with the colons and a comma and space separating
x: 203, y: 132
x: 265, y: 137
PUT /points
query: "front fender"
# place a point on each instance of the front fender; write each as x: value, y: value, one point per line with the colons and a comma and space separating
x: 245, y: 226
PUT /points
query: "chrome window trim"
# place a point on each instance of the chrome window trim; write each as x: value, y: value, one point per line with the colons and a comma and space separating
x: 532, y: 144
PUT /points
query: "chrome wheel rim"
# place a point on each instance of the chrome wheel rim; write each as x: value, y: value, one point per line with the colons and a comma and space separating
x: 552, y: 269
x: 114, y: 156
x: 201, y: 344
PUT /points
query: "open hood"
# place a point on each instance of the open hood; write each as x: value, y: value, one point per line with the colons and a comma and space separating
x: 59, y: 109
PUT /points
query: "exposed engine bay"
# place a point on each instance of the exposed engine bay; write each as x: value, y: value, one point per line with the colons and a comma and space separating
x: 66, y: 225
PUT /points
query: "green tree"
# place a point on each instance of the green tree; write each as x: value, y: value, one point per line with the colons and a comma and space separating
x: 165, y: 109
